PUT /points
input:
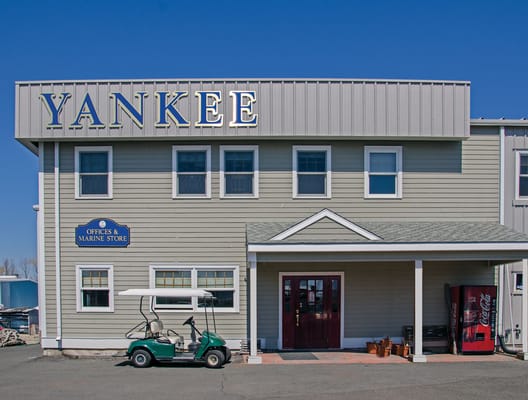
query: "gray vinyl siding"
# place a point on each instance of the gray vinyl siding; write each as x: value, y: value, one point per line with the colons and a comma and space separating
x: 442, y: 180
x: 515, y: 217
x: 285, y: 108
x: 515, y: 211
x: 378, y: 298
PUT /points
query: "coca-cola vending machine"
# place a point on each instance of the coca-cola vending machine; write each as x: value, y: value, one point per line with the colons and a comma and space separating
x: 472, y: 319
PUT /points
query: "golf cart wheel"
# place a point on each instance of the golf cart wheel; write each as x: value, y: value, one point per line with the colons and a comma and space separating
x: 141, y: 358
x: 214, y: 359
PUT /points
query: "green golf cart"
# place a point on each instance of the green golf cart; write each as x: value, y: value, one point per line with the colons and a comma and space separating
x: 165, y: 345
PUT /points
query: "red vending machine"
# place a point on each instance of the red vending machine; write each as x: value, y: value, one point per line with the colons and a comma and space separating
x: 472, y: 319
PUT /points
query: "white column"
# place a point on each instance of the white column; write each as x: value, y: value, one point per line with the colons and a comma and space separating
x: 253, y: 357
x: 418, y: 355
x: 524, y: 310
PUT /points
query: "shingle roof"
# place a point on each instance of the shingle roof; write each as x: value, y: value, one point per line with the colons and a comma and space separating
x: 400, y: 232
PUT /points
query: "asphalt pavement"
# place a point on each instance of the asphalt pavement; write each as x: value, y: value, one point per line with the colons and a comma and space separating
x: 24, y: 374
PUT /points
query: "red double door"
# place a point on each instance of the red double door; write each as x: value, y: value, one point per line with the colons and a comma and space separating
x: 311, y: 312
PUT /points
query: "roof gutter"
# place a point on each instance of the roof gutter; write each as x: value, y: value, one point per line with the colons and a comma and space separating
x: 384, y: 247
x: 502, y: 122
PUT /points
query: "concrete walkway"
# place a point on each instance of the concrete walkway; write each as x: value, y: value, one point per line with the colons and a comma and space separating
x: 345, y: 357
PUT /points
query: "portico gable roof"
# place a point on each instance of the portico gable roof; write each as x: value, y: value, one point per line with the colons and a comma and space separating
x: 367, y: 236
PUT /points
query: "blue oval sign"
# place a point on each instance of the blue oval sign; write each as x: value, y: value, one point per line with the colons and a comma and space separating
x: 102, y: 232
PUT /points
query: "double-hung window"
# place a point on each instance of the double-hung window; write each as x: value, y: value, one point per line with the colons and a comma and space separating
x: 191, y: 171
x: 221, y: 281
x: 383, y: 172
x: 173, y: 278
x: 95, y: 288
x: 521, y: 181
x: 311, y: 171
x: 93, y: 172
x: 239, y: 175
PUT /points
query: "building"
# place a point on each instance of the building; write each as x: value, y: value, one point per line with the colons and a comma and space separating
x: 19, y: 303
x: 15, y: 292
x: 321, y: 213
x: 513, y: 135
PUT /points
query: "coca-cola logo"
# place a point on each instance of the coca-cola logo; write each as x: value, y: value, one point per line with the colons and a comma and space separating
x: 485, y: 309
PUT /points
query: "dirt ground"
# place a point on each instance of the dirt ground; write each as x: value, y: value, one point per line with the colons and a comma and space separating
x: 30, y: 339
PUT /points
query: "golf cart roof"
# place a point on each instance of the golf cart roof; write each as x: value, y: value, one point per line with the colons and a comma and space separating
x: 167, y: 292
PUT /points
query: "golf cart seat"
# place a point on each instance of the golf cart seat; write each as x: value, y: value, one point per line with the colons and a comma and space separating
x: 156, y: 328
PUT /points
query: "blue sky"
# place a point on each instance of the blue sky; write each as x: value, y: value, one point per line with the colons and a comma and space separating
x: 484, y: 42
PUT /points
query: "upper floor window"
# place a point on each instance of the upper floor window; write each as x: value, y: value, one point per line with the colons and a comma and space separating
x: 239, y: 175
x: 521, y: 181
x: 311, y: 171
x: 191, y: 171
x: 93, y: 172
x: 95, y: 288
x: 383, y: 172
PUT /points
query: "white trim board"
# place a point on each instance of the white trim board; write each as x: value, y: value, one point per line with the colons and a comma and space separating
x: 388, y: 247
x: 111, y: 343
x: 326, y: 213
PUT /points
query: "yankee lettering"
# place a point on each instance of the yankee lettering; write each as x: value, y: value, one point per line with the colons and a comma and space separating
x: 167, y: 109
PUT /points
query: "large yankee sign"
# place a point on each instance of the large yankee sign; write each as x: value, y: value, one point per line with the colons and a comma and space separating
x: 166, y: 105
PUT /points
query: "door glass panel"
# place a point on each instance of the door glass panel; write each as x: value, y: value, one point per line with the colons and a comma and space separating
x: 315, y: 296
x: 303, y: 295
x: 319, y: 296
x: 335, y: 295
x: 311, y: 293
x: 287, y: 295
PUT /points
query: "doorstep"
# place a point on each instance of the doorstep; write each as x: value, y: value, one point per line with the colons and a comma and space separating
x: 347, y: 357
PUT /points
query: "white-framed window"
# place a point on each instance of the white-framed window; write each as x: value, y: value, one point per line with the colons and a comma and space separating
x: 221, y: 281
x: 383, y: 172
x: 93, y: 172
x: 521, y: 175
x: 312, y: 171
x: 518, y: 282
x: 191, y: 171
x: 95, y: 288
x: 239, y: 171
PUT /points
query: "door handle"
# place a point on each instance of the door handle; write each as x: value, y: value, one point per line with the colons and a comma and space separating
x: 297, y: 317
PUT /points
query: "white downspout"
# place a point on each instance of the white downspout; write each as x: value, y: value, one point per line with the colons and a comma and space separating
x: 57, y: 247
x: 524, y: 309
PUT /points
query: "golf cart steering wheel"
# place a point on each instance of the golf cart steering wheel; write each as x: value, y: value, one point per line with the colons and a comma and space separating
x: 188, y: 321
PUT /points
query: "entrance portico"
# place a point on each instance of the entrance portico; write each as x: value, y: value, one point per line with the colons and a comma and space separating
x: 443, y: 248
